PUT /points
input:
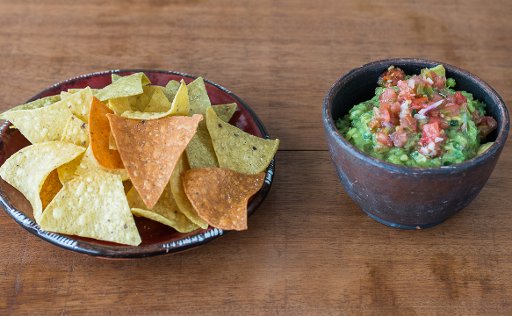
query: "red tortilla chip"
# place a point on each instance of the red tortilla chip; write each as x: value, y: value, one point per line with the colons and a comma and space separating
x: 220, y: 195
x: 150, y: 150
x: 99, y: 134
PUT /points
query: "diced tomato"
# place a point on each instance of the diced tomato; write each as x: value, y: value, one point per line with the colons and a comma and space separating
x: 419, y: 103
x: 388, y: 95
x: 399, y: 137
x: 391, y: 77
x: 408, y: 122
x: 451, y: 109
x: 430, y: 132
x: 439, y: 82
x: 459, y: 98
x: 384, y: 139
x: 384, y: 115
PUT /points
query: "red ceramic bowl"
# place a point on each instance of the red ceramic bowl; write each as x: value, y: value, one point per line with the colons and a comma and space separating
x: 156, y: 238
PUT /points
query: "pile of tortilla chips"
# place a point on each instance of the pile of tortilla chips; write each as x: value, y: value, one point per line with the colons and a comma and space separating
x: 99, y: 157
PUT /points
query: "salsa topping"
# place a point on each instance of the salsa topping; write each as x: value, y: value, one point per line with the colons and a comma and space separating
x: 418, y: 120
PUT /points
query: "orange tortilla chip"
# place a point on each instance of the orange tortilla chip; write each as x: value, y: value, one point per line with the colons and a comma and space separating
x: 99, y: 134
x: 150, y: 150
x: 50, y: 188
x: 220, y: 195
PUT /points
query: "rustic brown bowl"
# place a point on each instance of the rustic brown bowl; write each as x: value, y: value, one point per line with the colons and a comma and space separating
x: 405, y: 197
x: 157, y: 238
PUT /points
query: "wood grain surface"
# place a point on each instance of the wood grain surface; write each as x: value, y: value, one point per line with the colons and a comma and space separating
x: 309, y: 249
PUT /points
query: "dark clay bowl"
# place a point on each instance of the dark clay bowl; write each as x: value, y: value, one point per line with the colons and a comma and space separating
x: 405, y: 197
x: 156, y: 238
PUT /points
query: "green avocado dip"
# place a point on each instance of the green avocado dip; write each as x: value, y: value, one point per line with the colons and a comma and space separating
x: 418, y: 121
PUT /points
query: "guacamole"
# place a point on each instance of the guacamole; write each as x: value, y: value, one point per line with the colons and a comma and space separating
x: 418, y: 121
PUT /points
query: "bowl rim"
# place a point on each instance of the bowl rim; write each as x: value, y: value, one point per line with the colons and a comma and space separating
x: 190, y: 240
x: 331, y: 130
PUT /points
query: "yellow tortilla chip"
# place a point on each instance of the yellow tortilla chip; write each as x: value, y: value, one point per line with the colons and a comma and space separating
x: 41, y: 124
x: 27, y: 169
x: 137, y: 102
x: 79, y: 102
x: 66, y: 172
x: 178, y: 192
x: 76, y: 132
x: 89, y: 163
x: 199, y: 100
x: 220, y: 195
x: 179, y: 106
x: 93, y: 205
x: 238, y: 150
x: 99, y: 135
x: 165, y: 211
x: 151, y: 149
x: 115, y: 77
x: 124, y: 87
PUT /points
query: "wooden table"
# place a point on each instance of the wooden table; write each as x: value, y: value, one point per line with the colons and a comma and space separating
x: 309, y: 249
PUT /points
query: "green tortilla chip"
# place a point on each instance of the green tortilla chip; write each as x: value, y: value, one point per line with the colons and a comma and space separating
x: 41, y: 124
x: 39, y: 103
x: 238, y: 150
x: 76, y: 132
x: 165, y: 211
x: 93, y: 205
x: 124, y: 87
x: 200, y: 152
x: 171, y: 89
x: 28, y: 168
x: 225, y: 111
x: 199, y: 100
x: 158, y: 101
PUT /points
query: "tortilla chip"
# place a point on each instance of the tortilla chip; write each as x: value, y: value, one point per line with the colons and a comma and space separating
x: 179, y: 194
x: 93, y: 205
x: 39, y: 103
x: 158, y: 101
x: 200, y: 152
x: 79, y: 102
x: 151, y: 149
x: 50, y: 188
x: 114, y: 77
x: 220, y: 195
x: 99, y: 134
x: 238, y: 150
x: 76, y: 132
x: 199, y: 100
x: 171, y: 89
x: 27, y: 169
x: 165, y: 211
x: 124, y: 87
x: 112, y: 142
x: 89, y: 163
x: 225, y: 111
x: 41, y: 124
x: 179, y: 106
x: 135, y: 103
x: 67, y: 171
